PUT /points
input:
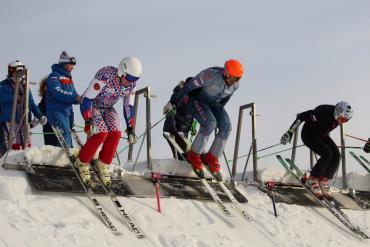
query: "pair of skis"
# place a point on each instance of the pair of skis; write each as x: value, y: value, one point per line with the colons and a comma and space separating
x: 210, y: 190
x: 90, y: 193
x: 362, y: 161
x: 329, y: 205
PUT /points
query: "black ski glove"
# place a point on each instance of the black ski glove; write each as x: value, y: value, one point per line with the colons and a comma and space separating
x: 287, y: 137
x: 131, y: 136
x: 367, y: 146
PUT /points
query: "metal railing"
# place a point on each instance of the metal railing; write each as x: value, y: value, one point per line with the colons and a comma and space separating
x: 21, y: 80
x: 146, y: 93
x: 251, y: 106
x: 294, y: 150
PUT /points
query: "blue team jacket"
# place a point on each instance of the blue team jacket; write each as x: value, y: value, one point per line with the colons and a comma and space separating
x: 60, y: 93
x: 6, y: 102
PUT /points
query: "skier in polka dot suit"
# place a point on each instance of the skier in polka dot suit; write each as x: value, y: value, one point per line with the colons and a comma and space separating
x: 108, y: 86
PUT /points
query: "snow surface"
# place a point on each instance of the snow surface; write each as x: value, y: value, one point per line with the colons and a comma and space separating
x: 32, y: 218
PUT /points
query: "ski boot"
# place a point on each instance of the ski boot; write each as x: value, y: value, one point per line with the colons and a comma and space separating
x: 313, y: 184
x: 325, y: 188
x: 196, y: 162
x: 104, y: 173
x: 84, y: 171
x: 213, y: 165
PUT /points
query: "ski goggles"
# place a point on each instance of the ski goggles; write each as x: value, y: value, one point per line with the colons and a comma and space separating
x: 130, y: 78
x: 17, y: 68
x: 342, y: 119
x: 72, y: 60
x: 231, y: 79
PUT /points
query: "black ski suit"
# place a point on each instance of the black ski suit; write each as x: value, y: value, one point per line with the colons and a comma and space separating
x: 180, y: 122
x: 315, y: 135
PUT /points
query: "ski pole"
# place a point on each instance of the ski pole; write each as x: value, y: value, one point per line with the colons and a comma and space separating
x: 357, y: 138
x: 118, y: 159
x: 270, y: 185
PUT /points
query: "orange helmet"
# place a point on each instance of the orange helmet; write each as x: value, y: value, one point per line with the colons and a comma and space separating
x: 234, y: 68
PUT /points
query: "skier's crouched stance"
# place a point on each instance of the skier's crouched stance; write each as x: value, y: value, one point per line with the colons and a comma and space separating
x: 319, y: 122
x: 108, y: 86
x: 205, y: 96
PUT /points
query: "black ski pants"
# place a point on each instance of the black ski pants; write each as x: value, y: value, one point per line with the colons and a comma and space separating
x: 4, y: 135
x: 49, y: 137
x: 327, y: 165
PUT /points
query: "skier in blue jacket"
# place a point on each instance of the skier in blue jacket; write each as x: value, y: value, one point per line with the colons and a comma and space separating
x: 6, y: 105
x: 61, y: 95
x: 205, y: 96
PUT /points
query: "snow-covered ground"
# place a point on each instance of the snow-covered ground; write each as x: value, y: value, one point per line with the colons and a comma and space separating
x: 32, y: 218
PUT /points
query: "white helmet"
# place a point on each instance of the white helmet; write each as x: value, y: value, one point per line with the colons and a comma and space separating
x: 130, y: 68
x: 343, y: 110
x: 15, y: 65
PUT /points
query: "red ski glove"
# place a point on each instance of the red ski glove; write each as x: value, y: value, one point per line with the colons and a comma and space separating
x: 88, y: 125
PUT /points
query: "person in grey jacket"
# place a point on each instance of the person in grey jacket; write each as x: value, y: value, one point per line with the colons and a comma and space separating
x: 205, y: 96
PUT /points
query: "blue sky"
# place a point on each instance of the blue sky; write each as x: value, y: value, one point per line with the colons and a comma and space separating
x: 297, y: 54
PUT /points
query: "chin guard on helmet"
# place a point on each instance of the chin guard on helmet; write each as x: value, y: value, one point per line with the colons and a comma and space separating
x: 343, y: 111
x: 130, y: 68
